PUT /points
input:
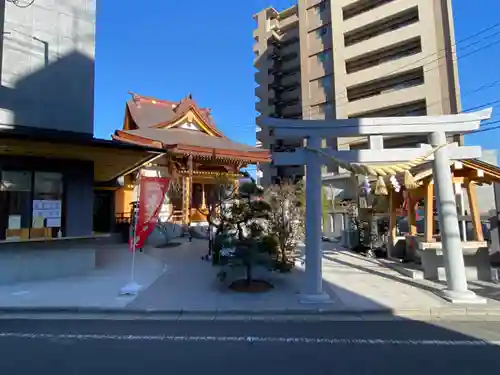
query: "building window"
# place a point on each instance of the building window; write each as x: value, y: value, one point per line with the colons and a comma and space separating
x: 30, y: 205
x: 322, y: 31
x: 320, y: 8
x: 325, y: 82
x: 15, y: 204
x: 322, y: 56
x: 320, y: 111
x: 47, y: 205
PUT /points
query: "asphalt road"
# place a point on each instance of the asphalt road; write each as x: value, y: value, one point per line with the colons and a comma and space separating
x: 234, y: 347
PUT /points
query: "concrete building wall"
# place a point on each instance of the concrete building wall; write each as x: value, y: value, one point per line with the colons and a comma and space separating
x: 79, y: 183
x: 47, y: 75
x: 361, y: 58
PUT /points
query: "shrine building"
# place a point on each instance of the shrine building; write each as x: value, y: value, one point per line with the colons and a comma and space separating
x: 196, y: 155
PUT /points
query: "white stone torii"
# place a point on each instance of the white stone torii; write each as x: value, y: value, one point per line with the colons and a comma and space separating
x: 436, y: 127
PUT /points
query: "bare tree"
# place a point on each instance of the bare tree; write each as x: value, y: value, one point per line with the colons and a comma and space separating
x: 286, y: 220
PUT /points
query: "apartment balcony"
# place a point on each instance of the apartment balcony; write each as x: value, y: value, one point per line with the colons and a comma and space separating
x: 264, y: 92
x: 262, y: 136
x: 393, y: 37
x: 263, y: 78
x: 291, y: 94
x: 315, y: 20
x: 290, y: 79
x: 255, y: 34
x: 290, y: 171
x: 311, y: 3
x: 392, y: 98
x: 290, y: 64
x: 289, y: 22
x: 289, y: 36
x: 292, y: 110
x: 263, y: 107
x: 378, y: 14
x: 344, y: 3
x: 384, y: 69
x: 290, y: 48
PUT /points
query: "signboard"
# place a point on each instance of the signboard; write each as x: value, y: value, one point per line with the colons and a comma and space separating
x: 14, y: 222
x: 47, y: 213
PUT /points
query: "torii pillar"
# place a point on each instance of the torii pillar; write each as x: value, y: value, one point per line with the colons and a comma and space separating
x: 313, y: 286
x: 456, y: 291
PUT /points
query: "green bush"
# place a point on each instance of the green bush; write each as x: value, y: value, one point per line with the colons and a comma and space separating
x: 221, y: 241
x: 269, y: 244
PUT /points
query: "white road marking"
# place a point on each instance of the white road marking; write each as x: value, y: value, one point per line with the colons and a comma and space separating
x: 20, y: 293
x: 248, y: 339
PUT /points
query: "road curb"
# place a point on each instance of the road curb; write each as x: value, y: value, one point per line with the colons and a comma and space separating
x: 123, y: 313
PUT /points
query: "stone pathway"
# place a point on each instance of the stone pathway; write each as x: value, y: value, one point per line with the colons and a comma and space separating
x: 353, y: 282
x: 190, y: 284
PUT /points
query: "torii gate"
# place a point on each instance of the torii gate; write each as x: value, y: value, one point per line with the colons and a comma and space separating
x: 436, y: 128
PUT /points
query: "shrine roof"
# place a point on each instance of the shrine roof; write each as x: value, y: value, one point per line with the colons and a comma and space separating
x: 173, y: 137
x: 488, y: 172
x: 147, y: 112
x: 181, y: 127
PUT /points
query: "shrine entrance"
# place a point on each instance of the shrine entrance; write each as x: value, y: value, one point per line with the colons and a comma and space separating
x: 382, y: 164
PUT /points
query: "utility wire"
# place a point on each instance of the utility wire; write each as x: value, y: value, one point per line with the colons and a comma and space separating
x: 441, y: 57
x: 489, y: 45
x: 478, y: 89
x: 485, y: 128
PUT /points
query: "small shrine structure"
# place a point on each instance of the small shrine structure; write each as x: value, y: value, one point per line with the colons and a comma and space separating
x: 196, y: 155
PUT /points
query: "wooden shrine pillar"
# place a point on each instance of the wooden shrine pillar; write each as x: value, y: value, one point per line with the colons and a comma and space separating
x: 186, y: 199
x: 203, y: 200
x: 474, y: 211
x: 236, y: 186
x: 429, y: 211
x: 412, y: 215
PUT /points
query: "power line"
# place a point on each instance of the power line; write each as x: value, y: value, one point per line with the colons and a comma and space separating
x: 442, y: 50
x: 437, y: 67
x: 485, y: 128
x: 489, y: 45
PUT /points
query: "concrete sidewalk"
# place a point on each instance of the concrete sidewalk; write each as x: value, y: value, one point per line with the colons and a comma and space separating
x: 99, y: 289
x: 188, y: 287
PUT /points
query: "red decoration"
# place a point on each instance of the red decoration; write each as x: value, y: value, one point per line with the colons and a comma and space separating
x: 151, y: 198
x: 406, y: 203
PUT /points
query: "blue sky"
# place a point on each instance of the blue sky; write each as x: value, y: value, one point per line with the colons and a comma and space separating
x: 167, y: 49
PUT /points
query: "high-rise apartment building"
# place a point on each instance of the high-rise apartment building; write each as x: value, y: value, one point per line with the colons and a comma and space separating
x: 354, y: 58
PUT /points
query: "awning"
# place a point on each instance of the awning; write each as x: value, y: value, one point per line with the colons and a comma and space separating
x: 111, y: 159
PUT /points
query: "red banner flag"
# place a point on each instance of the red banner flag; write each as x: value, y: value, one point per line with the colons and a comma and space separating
x: 152, y: 195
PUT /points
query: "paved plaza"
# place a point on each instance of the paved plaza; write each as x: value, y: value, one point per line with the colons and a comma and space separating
x: 176, y: 280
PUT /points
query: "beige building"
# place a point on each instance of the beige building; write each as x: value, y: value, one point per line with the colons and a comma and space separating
x: 354, y: 58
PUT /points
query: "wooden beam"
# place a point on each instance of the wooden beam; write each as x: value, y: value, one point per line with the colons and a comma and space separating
x: 429, y: 211
x: 458, y: 180
x: 412, y: 214
x: 474, y: 211
x: 374, y: 156
x: 392, y: 221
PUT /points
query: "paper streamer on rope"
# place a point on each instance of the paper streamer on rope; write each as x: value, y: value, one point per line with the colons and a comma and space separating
x: 395, y: 184
x: 382, y: 171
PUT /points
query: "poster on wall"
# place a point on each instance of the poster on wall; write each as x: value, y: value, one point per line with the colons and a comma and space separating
x: 14, y: 222
x: 47, y: 212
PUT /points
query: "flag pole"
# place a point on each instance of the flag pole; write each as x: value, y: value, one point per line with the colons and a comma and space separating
x: 132, y: 288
